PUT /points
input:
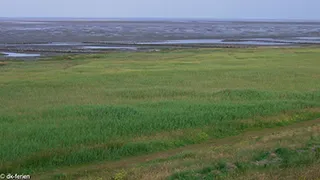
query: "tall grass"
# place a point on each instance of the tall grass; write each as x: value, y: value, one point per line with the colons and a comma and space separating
x: 278, y: 159
x: 83, y: 109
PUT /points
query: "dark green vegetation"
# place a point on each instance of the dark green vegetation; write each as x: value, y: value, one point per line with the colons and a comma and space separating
x: 272, y: 161
x: 77, y: 110
x: 290, y: 152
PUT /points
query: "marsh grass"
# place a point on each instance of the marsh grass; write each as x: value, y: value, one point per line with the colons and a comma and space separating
x: 74, y: 110
x: 3, y: 63
x: 263, y: 161
x: 279, y: 153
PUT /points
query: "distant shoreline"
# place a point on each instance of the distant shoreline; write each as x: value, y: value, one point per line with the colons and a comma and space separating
x: 95, y: 35
x: 96, y: 19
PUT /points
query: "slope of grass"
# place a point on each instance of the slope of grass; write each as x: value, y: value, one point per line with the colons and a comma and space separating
x: 289, y: 152
x: 264, y: 162
x: 82, y: 109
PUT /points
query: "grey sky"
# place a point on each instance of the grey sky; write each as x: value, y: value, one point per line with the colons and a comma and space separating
x: 230, y: 9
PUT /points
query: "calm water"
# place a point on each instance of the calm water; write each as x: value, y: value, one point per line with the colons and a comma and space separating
x: 13, y: 54
x: 109, y: 47
x: 215, y: 41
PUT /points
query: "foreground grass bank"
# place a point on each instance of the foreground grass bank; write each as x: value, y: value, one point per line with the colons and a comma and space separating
x: 76, y: 110
x: 290, y: 152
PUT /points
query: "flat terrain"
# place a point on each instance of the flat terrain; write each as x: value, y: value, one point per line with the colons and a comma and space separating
x: 94, y: 30
x: 173, y: 114
x: 51, y: 37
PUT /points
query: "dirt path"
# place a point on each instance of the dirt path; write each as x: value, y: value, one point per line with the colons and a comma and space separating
x: 141, y: 159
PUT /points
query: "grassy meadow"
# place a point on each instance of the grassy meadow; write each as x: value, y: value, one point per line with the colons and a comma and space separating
x: 83, y: 110
x: 290, y: 152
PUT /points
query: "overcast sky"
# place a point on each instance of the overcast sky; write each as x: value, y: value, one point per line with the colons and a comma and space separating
x: 218, y: 9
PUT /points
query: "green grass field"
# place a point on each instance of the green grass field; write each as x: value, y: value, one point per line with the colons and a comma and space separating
x: 75, y: 111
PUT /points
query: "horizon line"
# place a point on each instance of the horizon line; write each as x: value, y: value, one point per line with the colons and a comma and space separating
x: 170, y: 18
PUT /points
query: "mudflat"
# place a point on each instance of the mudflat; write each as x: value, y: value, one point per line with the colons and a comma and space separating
x: 65, y: 36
